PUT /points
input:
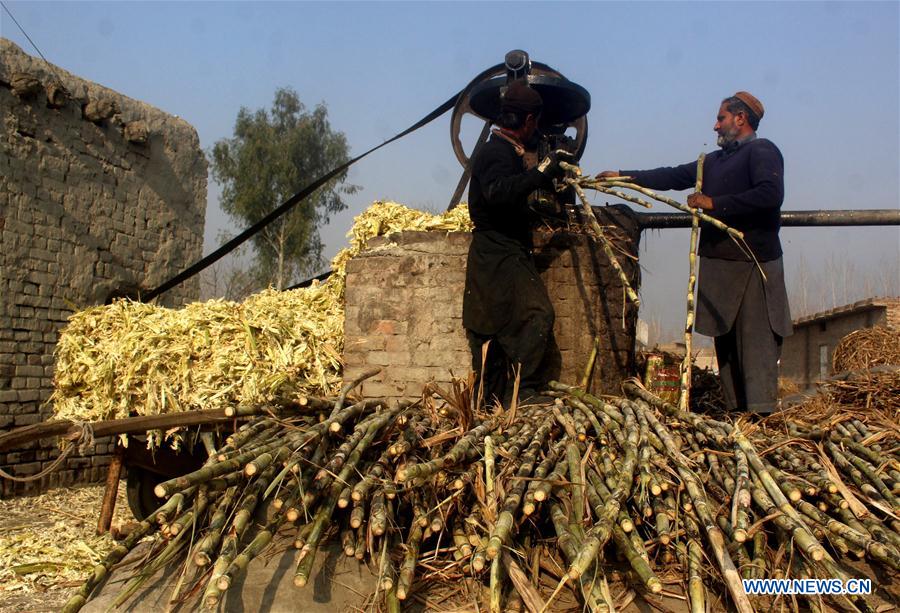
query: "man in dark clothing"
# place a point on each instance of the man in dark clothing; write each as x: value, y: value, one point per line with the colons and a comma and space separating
x: 742, y: 303
x: 505, y: 303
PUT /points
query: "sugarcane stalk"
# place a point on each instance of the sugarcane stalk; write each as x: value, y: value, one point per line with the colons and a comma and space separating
x: 174, y: 506
x: 758, y: 563
x: 348, y: 386
x: 209, y: 471
x: 360, y: 551
x: 461, y: 541
x: 378, y: 516
x: 573, y: 459
x: 741, y: 557
x: 408, y: 567
x: 741, y: 499
x: 663, y: 521
x: 161, y: 559
x: 713, y: 534
x: 479, y: 558
x: 456, y: 454
x: 602, y: 529
x: 211, y: 539
x: 684, y: 402
x: 570, y: 545
x: 801, y: 534
x: 592, y: 359
x: 489, y: 471
x: 324, y: 513
x: 696, y: 591
x: 386, y: 573
x: 638, y: 562
x: 339, y: 456
x: 101, y: 570
x: 240, y: 562
x: 348, y: 541
x: 866, y: 472
x: 617, y: 193
x: 319, y: 524
x: 248, y: 434
x: 410, y: 435
x: 785, y: 483
x: 495, y: 585
x: 596, y: 485
x: 502, y: 531
x: 540, y: 474
x: 681, y: 207
x: 814, y: 550
x: 263, y: 461
x: 604, y: 242
x: 227, y: 553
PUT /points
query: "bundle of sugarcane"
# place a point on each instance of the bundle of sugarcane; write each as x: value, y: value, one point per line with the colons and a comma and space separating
x: 565, y: 493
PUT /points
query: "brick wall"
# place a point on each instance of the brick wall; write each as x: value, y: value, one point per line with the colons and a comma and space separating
x: 100, y: 195
x: 404, y: 307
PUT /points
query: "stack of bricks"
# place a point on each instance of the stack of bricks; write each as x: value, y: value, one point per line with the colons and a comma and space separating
x: 404, y: 297
x: 101, y: 196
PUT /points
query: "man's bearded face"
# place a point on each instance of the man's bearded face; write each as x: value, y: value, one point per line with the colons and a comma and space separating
x: 726, y: 127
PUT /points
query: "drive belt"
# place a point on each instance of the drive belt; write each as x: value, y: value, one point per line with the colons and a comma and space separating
x: 286, y: 206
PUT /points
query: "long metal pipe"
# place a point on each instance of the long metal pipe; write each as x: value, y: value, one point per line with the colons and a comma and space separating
x: 865, y: 217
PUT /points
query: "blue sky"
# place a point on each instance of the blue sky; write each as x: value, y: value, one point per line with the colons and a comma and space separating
x: 828, y: 74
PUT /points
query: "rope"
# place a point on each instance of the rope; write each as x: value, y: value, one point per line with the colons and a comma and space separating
x: 84, y: 442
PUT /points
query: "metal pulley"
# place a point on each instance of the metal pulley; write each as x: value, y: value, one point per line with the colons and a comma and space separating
x: 565, y: 103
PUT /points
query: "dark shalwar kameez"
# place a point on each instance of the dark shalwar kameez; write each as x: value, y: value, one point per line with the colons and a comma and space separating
x: 505, y: 301
x: 746, y: 312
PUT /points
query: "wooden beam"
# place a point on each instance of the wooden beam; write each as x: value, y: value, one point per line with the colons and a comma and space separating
x: 71, y: 431
x: 112, y: 489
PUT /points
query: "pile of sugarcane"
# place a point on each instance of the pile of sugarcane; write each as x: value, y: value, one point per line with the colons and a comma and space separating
x: 540, y: 502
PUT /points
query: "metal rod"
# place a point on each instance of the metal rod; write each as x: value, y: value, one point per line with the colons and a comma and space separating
x: 789, y: 219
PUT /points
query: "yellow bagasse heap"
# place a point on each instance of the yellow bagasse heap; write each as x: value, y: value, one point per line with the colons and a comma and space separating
x: 51, y: 538
x: 130, y: 358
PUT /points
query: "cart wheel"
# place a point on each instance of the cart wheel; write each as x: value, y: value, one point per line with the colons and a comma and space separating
x: 139, y: 485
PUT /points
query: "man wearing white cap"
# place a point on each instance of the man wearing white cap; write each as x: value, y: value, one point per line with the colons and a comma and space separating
x: 739, y: 302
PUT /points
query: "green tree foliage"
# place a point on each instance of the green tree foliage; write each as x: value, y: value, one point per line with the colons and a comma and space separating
x: 273, y: 154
